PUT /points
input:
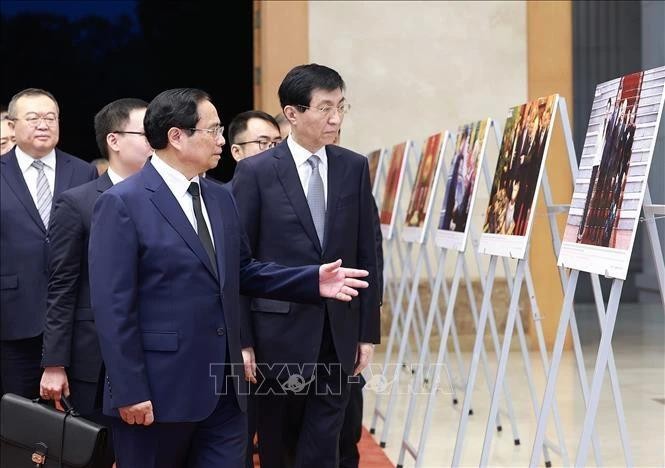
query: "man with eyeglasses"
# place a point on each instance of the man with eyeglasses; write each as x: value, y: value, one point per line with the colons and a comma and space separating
x: 308, y: 200
x: 71, y: 358
x: 31, y: 174
x: 7, y: 140
x: 251, y: 132
x: 168, y: 257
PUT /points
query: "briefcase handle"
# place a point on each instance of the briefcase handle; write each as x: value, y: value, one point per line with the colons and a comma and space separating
x: 40, y: 452
x: 66, y: 405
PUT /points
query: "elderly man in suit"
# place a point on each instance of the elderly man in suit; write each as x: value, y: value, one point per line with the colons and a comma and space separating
x: 72, y: 360
x: 168, y: 258
x: 304, y: 201
x: 31, y: 174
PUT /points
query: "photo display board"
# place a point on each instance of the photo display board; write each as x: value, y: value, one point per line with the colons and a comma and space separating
x: 373, y: 159
x: 613, y: 174
x: 422, y: 195
x: 393, y: 188
x: 513, y: 197
x: 461, y: 186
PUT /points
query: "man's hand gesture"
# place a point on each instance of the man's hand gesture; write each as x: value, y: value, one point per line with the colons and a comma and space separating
x: 340, y: 283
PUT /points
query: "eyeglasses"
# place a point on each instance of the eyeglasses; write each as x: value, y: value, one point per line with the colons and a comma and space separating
x: 33, y: 121
x: 263, y: 144
x: 129, y: 133
x: 328, y: 110
x: 215, y: 132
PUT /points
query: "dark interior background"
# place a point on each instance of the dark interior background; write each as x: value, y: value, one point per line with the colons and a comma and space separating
x: 89, y: 53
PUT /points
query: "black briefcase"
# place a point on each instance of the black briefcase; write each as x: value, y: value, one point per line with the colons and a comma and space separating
x: 35, y: 435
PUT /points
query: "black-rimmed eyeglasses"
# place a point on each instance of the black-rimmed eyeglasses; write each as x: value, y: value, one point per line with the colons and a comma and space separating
x: 263, y: 144
x: 129, y: 133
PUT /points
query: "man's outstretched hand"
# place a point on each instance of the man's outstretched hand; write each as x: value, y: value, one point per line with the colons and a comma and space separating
x: 340, y: 283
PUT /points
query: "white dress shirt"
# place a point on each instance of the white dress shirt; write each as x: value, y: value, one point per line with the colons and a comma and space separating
x: 178, y: 184
x: 300, y: 156
x: 30, y: 173
x: 114, y: 176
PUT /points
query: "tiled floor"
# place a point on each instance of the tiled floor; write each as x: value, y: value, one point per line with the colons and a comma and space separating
x: 639, y: 350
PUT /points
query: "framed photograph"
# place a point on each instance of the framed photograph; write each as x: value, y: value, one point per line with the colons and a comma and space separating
x: 461, y: 185
x: 613, y: 174
x: 374, y: 159
x: 514, y: 193
x: 424, y: 189
x: 393, y: 187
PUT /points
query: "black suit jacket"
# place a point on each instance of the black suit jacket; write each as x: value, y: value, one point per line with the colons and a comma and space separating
x: 70, y: 338
x: 273, y: 209
x: 24, y: 244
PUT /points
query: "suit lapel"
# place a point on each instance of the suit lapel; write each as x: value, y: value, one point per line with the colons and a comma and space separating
x: 63, y: 173
x: 213, y: 205
x: 288, y: 176
x: 335, y: 183
x: 16, y: 182
x: 103, y: 183
x: 169, y: 207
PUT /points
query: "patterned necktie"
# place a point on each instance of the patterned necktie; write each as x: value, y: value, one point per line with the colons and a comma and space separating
x: 44, y: 196
x: 315, y: 197
x: 201, y: 225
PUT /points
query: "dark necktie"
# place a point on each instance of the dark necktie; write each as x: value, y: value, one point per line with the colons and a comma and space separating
x: 201, y: 225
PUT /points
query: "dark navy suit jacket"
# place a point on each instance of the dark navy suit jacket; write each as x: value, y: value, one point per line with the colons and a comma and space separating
x: 70, y: 337
x: 274, y: 211
x: 24, y: 244
x: 166, y: 322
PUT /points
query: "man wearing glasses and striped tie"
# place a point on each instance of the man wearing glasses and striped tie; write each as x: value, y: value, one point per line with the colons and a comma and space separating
x: 31, y: 175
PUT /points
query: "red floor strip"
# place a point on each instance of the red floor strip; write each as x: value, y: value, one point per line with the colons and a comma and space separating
x: 371, y: 455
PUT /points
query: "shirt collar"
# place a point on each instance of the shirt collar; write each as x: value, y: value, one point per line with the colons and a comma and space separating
x: 25, y: 160
x: 175, y: 179
x: 114, y: 176
x: 301, y: 155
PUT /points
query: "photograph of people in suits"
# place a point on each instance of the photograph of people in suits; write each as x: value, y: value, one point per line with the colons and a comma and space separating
x: 392, y: 183
x: 615, y: 137
x: 462, y: 176
x: 518, y: 169
x: 415, y: 214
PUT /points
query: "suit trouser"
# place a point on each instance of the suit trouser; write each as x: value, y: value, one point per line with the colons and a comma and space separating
x: 87, y: 398
x: 20, y: 366
x: 217, y: 441
x: 251, y: 429
x: 301, y: 428
x: 349, y: 457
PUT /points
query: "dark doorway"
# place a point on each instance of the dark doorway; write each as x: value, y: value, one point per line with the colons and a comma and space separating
x: 90, y: 53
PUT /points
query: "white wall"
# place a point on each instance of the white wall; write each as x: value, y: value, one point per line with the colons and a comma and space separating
x: 415, y: 68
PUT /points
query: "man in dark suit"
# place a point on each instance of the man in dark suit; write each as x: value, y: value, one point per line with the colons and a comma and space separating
x: 168, y: 258
x: 251, y: 132
x: 71, y: 358
x: 31, y: 174
x: 306, y: 201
